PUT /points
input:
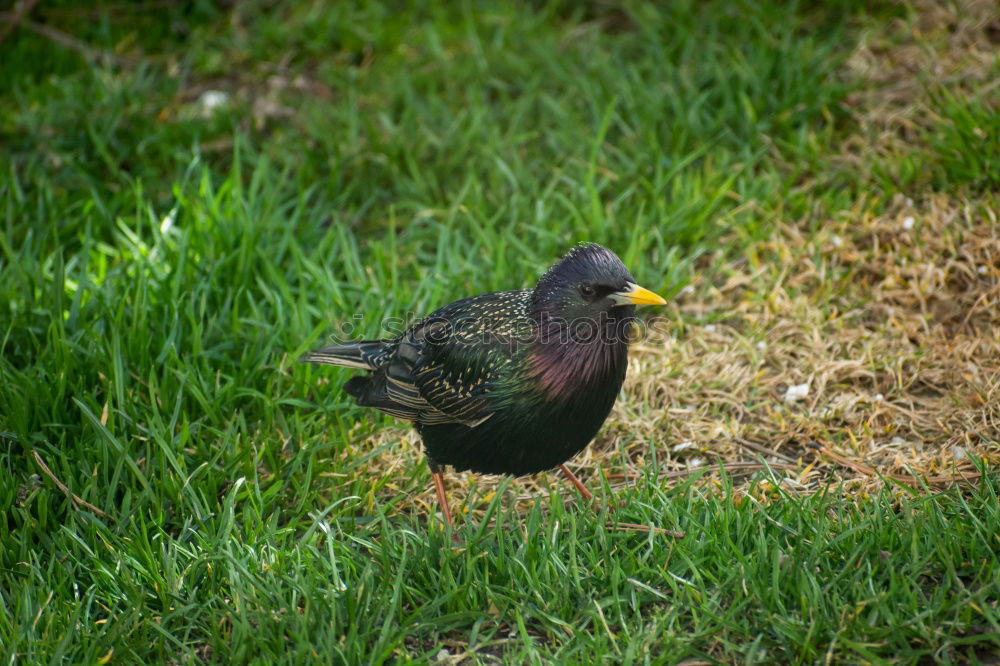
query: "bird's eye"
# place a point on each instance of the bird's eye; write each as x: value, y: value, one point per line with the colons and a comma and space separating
x: 587, y: 290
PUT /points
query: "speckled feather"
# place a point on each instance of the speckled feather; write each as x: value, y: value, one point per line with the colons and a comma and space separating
x: 497, y: 383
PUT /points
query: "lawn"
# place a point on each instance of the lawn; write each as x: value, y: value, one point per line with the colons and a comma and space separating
x: 195, y: 194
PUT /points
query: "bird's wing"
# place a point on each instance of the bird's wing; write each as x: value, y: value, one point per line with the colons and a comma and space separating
x: 447, y: 365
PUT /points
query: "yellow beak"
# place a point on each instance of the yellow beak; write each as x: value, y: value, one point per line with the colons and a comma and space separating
x: 636, y: 295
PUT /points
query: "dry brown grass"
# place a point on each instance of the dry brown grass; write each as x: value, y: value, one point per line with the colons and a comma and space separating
x: 893, y: 323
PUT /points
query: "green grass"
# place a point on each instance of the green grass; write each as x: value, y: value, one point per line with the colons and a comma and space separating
x: 424, y: 155
x: 792, y: 581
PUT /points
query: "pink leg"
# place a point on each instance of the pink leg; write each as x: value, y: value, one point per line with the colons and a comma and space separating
x: 587, y: 495
x: 442, y: 498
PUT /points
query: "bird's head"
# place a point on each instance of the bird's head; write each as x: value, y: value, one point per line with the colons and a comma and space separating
x: 590, y: 284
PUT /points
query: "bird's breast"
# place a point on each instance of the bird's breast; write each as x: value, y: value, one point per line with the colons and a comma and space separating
x: 567, y: 369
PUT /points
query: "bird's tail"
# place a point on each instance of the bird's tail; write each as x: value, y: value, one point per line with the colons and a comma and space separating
x: 363, y: 354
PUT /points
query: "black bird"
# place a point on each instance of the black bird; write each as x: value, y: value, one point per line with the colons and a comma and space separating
x: 510, y: 382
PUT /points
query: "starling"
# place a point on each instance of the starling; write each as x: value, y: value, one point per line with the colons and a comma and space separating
x: 509, y: 382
